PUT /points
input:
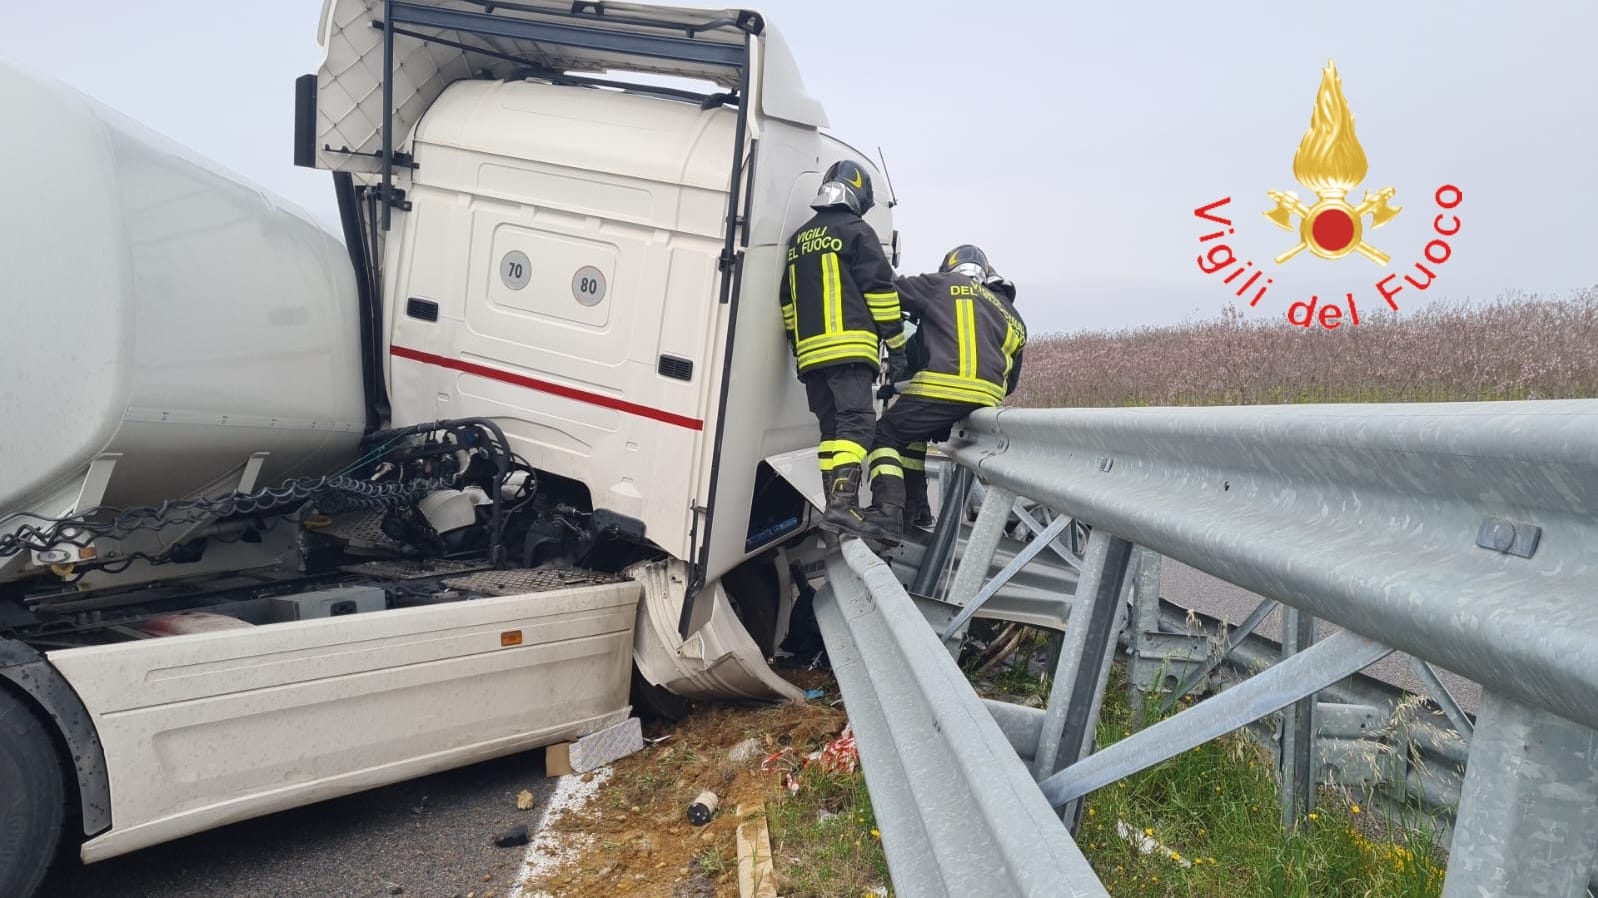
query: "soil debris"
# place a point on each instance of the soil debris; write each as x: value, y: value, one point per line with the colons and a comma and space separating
x: 633, y: 839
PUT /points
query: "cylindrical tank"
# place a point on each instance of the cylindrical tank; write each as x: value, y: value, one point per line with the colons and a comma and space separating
x: 159, y: 312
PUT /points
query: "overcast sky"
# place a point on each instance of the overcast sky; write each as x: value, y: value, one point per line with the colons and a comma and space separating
x: 1072, y: 141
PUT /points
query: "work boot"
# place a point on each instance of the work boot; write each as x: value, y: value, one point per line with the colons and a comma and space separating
x: 843, y: 492
x: 884, y: 520
x: 884, y: 523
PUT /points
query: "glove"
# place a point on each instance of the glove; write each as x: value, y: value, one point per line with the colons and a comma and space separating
x: 886, y: 391
x: 898, y: 365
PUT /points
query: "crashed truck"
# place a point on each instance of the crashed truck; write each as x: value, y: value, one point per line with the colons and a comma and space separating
x: 282, y: 518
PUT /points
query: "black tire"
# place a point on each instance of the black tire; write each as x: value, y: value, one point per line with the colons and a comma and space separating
x: 32, y: 798
x: 650, y: 702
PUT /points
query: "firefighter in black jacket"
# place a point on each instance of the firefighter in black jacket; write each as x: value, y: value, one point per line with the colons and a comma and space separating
x: 917, y: 510
x: 973, y: 338
x: 839, y: 306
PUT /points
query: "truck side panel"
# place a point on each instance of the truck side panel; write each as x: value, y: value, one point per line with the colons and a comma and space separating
x: 207, y: 729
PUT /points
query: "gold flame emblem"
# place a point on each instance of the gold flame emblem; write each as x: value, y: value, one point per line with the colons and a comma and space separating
x: 1331, y: 162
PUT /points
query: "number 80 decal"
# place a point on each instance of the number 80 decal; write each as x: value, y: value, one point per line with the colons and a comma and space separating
x: 588, y: 285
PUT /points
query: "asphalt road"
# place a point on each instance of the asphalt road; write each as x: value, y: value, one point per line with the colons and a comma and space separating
x: 430, y: 837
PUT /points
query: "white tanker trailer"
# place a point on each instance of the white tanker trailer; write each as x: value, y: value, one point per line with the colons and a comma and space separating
x: 282, y: 519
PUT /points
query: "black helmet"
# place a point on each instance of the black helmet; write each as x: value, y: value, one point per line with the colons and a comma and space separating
x: 845, y: 184
x: 964, y: 255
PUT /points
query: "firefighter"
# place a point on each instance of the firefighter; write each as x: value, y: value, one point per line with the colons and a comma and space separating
x: 973, y: 338
x: 839, y: 308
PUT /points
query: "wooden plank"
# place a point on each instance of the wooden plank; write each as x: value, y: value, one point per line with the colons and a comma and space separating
x: 756, y: 878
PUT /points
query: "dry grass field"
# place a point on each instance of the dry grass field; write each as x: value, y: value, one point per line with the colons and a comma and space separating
x: 1517, y: 347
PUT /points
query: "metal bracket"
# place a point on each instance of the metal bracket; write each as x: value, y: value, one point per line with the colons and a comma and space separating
x: 1509, y: 537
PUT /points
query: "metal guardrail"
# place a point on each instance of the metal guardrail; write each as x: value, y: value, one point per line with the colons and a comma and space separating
x: 1464, y: 535
x: 959, y: 813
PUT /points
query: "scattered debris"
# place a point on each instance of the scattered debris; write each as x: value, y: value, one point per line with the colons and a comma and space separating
x: 702, y: 808
x: 813, y: 694
x: 745, y: 751
x: 841, y: 755
x: 551, y: 848
x: 598, y: 848
x: 393, y: 888
x: 516, y: 835
x: 524, y: 800
x: 1145, y: 843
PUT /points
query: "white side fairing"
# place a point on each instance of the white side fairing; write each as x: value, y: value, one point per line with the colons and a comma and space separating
x: 207, y: 729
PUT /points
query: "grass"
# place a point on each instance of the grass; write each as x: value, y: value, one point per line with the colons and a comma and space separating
x: 825, y: 838
x: 1215, y: 808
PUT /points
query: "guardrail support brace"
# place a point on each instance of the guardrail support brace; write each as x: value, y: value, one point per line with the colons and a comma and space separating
x: 1528, y: 812
x: 1078, y: 688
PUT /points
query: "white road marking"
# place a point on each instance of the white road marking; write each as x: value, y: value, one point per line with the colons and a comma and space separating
x: 546, y: 852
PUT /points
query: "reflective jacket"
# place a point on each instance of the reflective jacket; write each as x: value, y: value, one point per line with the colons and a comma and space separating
x: 837, y: 293
x: 972, y: 335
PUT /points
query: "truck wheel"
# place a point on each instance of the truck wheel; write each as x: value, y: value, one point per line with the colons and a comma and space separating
x: 31, y: 798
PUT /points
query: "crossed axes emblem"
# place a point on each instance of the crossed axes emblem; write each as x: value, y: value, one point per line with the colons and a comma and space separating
x: 1331, y: 203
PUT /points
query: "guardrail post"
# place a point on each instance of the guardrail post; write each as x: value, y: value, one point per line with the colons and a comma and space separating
x: 1528, y: 812
x: 1067, y: 733
x: 1298, y: 727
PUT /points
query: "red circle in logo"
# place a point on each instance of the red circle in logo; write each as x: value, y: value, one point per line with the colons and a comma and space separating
x: 1333, y: 229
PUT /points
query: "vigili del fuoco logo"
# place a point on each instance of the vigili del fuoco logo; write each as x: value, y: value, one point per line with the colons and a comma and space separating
x: 1331, y: 163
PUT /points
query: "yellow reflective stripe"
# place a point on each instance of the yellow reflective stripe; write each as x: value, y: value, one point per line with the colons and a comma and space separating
x: 884, y: 296
x: 914, y: 464
x: 885, y: 452
x: 887, y: 471
x: 896, y: 341
x: 793, y: 284
x: 848, y: 452
x: 1012, y: 342
x: 885, y: 315
x: 916, y: 449
x: 831, y: 294
x: 861, y: 338
x: 807, y: 362
x: 953, y: 388
x: 955, y: 382
x: 966, y: 397
x: 965, y: 329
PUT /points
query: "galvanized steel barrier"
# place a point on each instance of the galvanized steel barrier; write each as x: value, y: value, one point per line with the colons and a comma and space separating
x: 1462, y: 534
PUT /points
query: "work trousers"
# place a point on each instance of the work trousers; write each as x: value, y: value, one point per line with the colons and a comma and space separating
x: 841, y: 399
x: 899, y: 449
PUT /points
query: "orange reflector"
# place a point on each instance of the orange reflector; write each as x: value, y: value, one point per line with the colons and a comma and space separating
x: 87, y: 552
x: 510, y: 637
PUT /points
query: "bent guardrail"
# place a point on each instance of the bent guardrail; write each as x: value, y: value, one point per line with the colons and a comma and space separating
x: 1464, y: 535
